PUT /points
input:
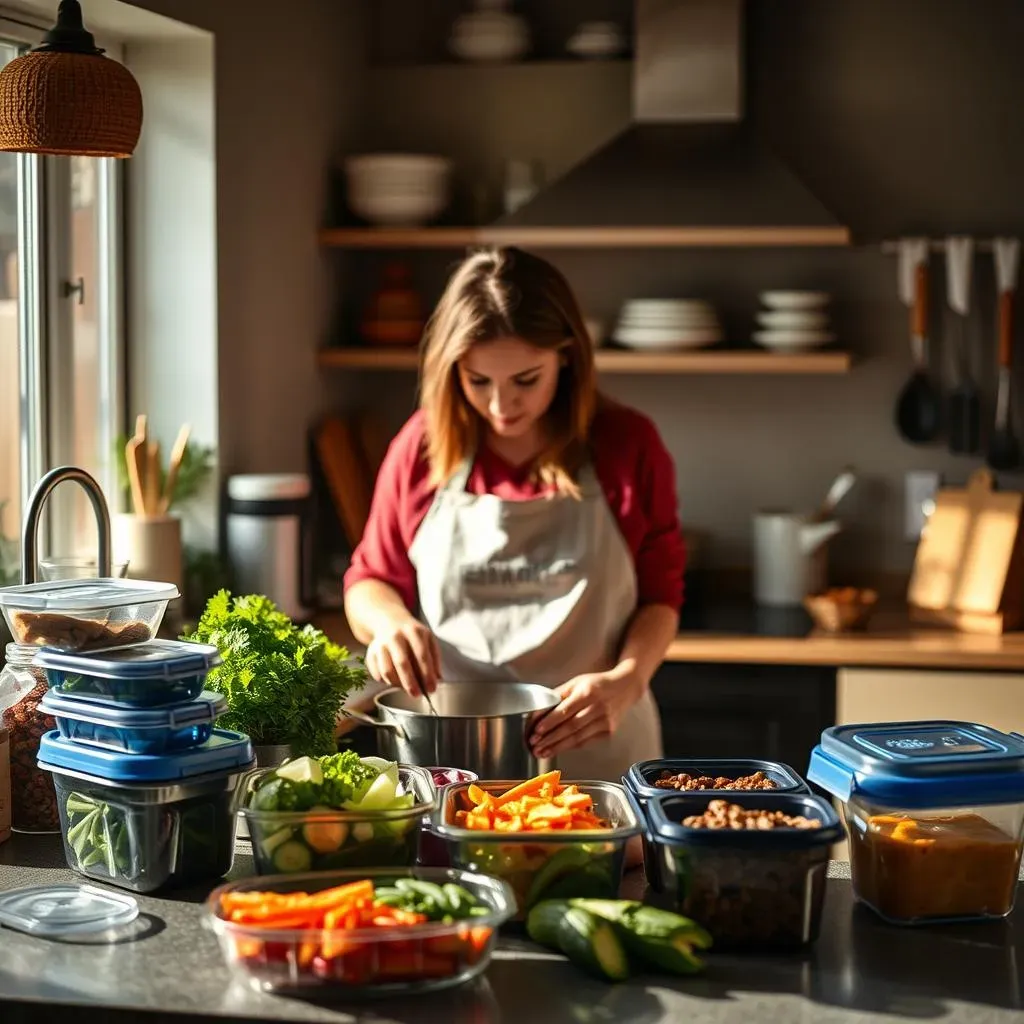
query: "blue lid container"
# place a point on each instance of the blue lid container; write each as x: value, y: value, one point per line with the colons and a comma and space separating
x: 224, y: 751
x: 134, y: 730
x: 155, y: 674
x: 920, y: 765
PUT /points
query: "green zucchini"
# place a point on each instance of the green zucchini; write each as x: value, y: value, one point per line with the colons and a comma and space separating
x: 566, y: 862
x: 656, y: 937
x: 292, y: 857
x: 593, y: 945
x: 543, y: 921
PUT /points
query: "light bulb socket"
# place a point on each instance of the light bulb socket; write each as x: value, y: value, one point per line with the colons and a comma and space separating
x: 69, y: 35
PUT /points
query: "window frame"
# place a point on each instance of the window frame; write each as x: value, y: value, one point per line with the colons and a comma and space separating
x: 46, y: 312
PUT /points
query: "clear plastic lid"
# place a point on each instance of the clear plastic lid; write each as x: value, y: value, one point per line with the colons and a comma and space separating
x: 65, y: 911
x: 71, y: 596
x: 155, y: 660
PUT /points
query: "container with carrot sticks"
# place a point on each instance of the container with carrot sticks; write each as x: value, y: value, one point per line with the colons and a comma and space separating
x: 365, y: 932
x: 547, y: 838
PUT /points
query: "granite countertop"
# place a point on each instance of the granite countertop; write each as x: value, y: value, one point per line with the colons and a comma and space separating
x: 860, y: 970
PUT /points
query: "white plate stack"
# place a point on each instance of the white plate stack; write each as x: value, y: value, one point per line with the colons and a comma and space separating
x: 667, y: 324
x: 793, y: 321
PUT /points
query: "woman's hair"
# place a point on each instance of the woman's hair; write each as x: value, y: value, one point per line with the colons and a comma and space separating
x: 507, y: 293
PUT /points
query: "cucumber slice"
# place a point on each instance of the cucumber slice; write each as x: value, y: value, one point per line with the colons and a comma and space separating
x: 302, y: 769
x: 275, y: 839
x: 293, y: 857
x: 592, y: 944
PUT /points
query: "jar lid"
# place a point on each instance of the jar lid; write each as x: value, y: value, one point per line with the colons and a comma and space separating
x: 62, y: 911
x: 224, y: 751
x: 920, y: 764
x: 156, y: 660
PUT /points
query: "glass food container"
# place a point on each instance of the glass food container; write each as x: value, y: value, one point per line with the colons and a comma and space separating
x: 751, y: 887
x: 143, y: 822
x: 85, y: 615
x: 544, y: 864
x: 22, y: 687
x: 935, y: 815
x: 324, y: 839
x: 641, y: 778
x: 363, y: 961
x: 135, y: 730
x: 154, y: 674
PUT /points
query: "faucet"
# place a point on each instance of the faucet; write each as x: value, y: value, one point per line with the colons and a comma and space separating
x: 30, y: 531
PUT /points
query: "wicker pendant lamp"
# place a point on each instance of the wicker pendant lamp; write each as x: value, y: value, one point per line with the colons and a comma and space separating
x: 65, y: 98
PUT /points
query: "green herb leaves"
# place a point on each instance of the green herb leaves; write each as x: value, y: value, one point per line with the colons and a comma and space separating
x: 284, y: 684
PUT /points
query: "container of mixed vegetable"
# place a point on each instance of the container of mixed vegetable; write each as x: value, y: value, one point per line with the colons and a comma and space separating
x: 337, y: 811
x: 546, y: 838
x: 363, y: 931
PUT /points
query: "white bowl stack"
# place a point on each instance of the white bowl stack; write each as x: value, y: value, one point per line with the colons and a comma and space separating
x: 793, y: 321
x: 398, y: 189
x: 667, y: 324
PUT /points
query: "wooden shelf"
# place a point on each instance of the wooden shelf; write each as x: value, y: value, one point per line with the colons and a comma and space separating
x: 584, y: 237
x: 626, y: 362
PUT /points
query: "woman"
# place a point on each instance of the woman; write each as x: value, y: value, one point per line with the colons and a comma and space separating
x: 531, y: 522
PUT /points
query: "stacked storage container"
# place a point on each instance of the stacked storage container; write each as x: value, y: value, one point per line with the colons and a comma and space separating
x: 145, y: 782
x: 750, y: 885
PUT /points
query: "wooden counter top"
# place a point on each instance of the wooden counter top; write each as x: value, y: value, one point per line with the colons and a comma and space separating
x: 889, y: 641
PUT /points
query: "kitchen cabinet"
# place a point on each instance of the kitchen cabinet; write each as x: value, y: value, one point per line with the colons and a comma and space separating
x: 774, y: 712
x: 894, y: 695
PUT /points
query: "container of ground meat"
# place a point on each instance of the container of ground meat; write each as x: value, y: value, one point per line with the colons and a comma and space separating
x: 935, y: 815
x: 704, y: 775
x: 750, y: 867
x: 85, y: 615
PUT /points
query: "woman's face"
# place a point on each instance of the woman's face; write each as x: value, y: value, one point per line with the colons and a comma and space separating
x: 510, y: 383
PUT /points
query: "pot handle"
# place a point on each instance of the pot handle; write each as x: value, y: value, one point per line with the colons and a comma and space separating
x: 365, y: 719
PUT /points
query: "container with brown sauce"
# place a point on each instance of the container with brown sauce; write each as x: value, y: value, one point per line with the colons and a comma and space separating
x: 935, y: 815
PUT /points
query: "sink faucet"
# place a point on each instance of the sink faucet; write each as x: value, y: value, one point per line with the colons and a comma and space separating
x: 34, y: 510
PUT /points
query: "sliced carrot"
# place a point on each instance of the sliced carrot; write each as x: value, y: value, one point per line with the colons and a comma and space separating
x: 530, y: 787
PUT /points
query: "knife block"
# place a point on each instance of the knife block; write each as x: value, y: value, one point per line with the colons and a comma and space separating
x: 969, y: 567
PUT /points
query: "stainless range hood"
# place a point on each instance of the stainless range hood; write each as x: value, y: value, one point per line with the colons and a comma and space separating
x: 687, y: 161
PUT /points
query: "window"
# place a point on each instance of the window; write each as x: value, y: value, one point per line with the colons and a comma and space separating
x: 61, y: 335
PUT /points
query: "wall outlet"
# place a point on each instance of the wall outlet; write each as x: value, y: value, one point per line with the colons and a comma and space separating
x: 919, y: 501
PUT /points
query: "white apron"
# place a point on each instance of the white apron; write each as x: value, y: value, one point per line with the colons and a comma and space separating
x: 533, y: 591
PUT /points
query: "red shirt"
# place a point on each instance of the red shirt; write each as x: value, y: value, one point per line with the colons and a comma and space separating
x: 632, y: 464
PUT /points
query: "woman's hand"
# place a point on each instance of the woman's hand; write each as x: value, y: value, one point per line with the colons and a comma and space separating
x: 592, y: 707
x: 405, y: 653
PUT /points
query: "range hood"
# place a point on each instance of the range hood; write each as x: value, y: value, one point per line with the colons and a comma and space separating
x: 687, y: 167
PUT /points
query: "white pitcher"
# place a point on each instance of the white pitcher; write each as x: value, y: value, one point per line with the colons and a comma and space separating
x: 789, y: 557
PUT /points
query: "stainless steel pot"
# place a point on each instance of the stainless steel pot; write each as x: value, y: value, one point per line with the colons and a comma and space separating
x: 482, y: 727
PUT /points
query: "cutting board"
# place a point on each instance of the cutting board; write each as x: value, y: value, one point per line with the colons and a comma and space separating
x: 348, y: 479
x: 967, y: 570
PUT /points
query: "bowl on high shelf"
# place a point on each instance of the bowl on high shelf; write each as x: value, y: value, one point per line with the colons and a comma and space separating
x: 841, y: 609
x: 398, y: 189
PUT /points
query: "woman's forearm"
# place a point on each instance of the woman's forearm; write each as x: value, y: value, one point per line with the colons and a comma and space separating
x: 648, y: 635
x: 370, y: 606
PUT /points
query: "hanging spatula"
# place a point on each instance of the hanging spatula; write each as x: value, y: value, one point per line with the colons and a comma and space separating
x: 1003, y: 447
x: 965, y: 401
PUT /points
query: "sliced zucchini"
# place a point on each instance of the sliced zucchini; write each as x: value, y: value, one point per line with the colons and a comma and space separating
x: 275, y: 839
x: 292, y: 858
x: 544, y: 920
x: 593, y: 945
